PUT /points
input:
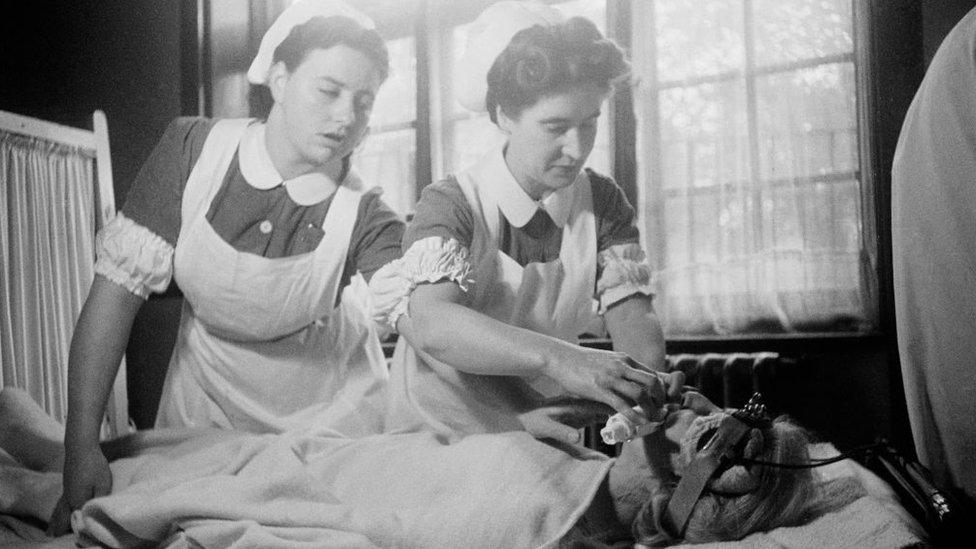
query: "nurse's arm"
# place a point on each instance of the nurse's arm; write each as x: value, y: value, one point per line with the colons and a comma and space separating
x: 97, y: 346
x: 636, y: 331
x: 440, y: 326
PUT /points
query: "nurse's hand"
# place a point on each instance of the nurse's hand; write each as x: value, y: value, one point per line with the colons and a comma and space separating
x: 615, y: 380
x: 86, y: 476
x: 562, y: 419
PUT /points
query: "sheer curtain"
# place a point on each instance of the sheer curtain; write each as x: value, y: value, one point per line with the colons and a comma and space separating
x: 750, y: 186
x: 47, y: 224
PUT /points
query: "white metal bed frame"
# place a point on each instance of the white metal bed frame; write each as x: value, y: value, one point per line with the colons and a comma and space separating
x: 96, y: 140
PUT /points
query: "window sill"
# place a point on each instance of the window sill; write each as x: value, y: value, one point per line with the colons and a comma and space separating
x: 794, y: 343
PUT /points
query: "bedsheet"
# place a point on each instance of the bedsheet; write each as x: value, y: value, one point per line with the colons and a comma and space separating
x: 400, y: 491
x: 876, y: 520
x: 408, y: 490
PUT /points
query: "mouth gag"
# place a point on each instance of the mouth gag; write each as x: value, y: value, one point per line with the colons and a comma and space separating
x: 620, y: 429
x: 711, y: 457
x: 718, y: 451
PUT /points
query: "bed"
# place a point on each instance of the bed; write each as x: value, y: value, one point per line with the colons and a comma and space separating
x: 486, y: 491
x: 219, y: 489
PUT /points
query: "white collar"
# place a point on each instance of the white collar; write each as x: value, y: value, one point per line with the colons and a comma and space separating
x: 260, y: 173
x: 516, y: 205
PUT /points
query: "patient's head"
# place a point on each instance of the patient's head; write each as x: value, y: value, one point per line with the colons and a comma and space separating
x: 738, y: 499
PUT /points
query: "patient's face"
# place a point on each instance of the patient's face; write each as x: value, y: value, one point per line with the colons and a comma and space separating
x: 659, y: 454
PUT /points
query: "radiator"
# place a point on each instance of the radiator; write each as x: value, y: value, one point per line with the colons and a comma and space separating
x: 729, y: 380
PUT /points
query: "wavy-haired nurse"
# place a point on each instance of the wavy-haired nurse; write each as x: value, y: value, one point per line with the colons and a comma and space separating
x: 509, y: 261
x: 269, y: 234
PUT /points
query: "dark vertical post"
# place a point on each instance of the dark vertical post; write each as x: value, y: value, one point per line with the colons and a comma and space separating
x: 623, y: 132
x: 195, y: 70
x: 890, y: 69
x: 423, y: 168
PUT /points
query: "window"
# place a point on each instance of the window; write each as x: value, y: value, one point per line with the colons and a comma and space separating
x: 745, y: 135
x: 387, y: 157
x: 750, y: 185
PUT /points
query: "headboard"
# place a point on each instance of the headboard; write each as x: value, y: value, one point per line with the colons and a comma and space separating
x: 94, y: 143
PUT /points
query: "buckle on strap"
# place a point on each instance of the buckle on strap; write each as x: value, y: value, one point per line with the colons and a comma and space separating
x: 730, y: 431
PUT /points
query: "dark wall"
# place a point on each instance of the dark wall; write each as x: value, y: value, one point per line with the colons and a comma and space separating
x: 62, y: 60
x: 939, y: 16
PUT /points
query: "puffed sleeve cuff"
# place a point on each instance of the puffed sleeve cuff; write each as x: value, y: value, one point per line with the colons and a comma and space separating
x: 625, y: 273
x: 133, y: 257
x: 428, y: 260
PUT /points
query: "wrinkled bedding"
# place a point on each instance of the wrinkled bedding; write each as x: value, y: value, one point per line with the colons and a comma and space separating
x: 301, y: 491
x: 876, y: 520
x: 509, y: 490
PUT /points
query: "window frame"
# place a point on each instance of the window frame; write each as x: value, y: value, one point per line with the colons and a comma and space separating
x: 889, y: 65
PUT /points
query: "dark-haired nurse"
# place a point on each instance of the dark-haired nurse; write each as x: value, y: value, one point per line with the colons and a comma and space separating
x: 269, y: 235
x: 508, y: 262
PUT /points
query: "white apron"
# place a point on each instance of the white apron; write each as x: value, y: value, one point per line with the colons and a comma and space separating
x: 554, y: 298
x: 262, y: 346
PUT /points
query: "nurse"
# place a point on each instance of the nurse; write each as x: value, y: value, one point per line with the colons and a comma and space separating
x: 510, y: 260
x: 269, y: 234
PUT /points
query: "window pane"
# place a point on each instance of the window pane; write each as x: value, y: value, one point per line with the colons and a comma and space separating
x: 807, y: 122
x: 703, y: 135
x: 396, y: 102
x: 795, y: 30
x: 473, y: 138
x: 698, y: 37
x: 388, y: 160
x: 387, y: 157
x: 755, y: 175
x: 458, y: 39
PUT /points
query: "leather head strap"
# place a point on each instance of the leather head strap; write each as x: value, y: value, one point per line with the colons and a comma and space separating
x: 709, y: 458
x: 699, y: 472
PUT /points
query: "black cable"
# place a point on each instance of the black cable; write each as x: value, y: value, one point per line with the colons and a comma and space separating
x: 866, y: 449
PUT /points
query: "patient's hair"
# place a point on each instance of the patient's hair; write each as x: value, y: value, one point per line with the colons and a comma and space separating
x: 784, y: 497
x: 544, y: 60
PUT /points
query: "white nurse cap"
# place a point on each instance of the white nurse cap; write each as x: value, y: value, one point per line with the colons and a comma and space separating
x: 487, y: 38
x: 296, y: 14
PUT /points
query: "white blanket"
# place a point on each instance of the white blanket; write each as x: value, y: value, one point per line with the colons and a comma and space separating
x: 385, y: 491
x: 237, y: 490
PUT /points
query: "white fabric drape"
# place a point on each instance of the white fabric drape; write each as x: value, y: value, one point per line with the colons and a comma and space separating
x: 749, y: 182
x: 47, y: 227
x: 933, y: 218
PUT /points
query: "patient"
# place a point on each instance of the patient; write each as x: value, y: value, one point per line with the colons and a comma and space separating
x: 624, y: 499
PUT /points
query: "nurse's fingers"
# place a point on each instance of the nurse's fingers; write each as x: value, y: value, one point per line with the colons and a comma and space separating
x: 651, y: 384
x: 699, y: 403
x: 60, y: 522
x: 672, y: 382
x: 625, y: 409
x: 675, y: 384
x: 541, y: 424
x: 637, y: 372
